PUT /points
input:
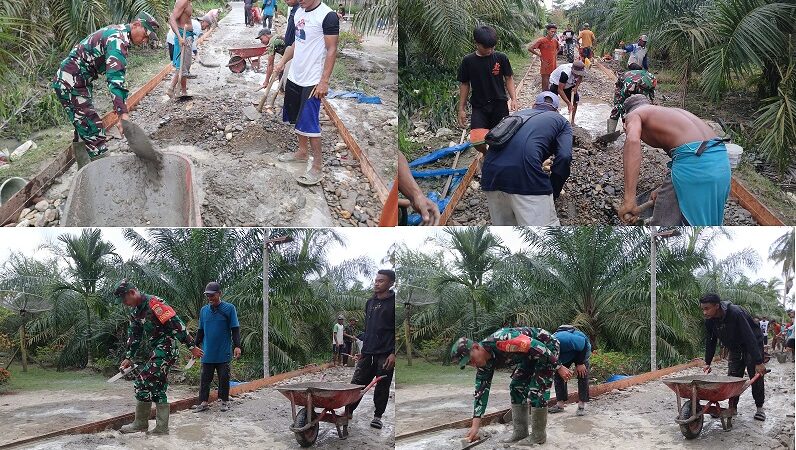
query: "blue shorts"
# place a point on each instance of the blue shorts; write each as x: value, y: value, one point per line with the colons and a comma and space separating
x: 302, y: 110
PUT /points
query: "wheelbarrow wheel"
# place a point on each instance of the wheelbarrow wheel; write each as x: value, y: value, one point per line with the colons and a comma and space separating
x: 236, y: 64
x: 306, y: 438
x: 691, y: 430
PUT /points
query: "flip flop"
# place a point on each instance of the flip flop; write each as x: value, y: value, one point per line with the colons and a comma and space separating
x: 290, y: 157
x: 376, y: 423
x: 760, y: 415
x: 308, y: 179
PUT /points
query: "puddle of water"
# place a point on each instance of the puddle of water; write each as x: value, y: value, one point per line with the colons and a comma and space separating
x: 591, y: 116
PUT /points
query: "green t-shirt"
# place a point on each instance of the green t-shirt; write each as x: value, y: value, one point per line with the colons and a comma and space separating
x: 276, y: 45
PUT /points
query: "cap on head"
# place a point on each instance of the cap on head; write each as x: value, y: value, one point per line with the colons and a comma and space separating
x: 461, y: 351
x: 586, y: 25
x: 212, y: 288
x: 634, y: 101
x: 122, y: 288
x: 263, y: 32
x: 547, y: 97
x: 643, y: 37
x: 578, y: 68
x: 710, y: 298
x: 149, y: 23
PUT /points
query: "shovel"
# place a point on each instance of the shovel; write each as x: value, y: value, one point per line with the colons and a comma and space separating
x: 122, y: 373
x: 608, y: 138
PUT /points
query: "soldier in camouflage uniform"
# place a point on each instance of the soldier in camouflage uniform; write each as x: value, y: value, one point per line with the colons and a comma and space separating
x: 153, y: 317
x: 634, y: 81
x: 534, y: 353
x: 103, y: 51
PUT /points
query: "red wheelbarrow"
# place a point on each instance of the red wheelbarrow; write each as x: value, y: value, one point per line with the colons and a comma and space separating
x: 710, y: 388
x: 321, y: 394
x: 237, y: 62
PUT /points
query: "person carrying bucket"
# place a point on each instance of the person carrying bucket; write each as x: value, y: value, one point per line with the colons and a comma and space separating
x: 535, y: 354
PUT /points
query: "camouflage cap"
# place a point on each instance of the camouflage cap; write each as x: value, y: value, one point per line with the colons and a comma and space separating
x: 461, y: 351
x: 149, y: 23
x: 122, y: 289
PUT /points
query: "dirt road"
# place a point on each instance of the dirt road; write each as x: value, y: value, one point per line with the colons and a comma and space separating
x: 239, y: 180
x: 256, y: 420
x: 596, y: 180
x: 637, y: 417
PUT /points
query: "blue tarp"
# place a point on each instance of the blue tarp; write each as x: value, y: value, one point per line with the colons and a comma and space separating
x: 360, y: 96
x: 438, y: 172
x: 415, y: 219
x: 439, y: 153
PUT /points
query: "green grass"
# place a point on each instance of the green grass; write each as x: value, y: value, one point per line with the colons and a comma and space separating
x: 37, y: 378
x: 519, y: 65
x: 423, y: 372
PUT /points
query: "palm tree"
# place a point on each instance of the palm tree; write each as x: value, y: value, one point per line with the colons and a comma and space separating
x: 89, y: 260
x: 782, y: 252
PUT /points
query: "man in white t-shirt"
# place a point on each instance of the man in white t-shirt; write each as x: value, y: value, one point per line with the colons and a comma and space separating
x: 313, y: 53
x: 764, y: 329
x: 338, y: 345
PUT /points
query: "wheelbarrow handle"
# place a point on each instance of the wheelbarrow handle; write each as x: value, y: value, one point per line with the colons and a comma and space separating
x: 372, y: 383
x: 754, y: 378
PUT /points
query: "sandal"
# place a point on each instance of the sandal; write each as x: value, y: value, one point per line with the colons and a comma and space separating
x: 376, y: 423
x: 760, y: 415
x: 224, y: 406
x: 291, y: 157
x: 309, y: 178
x: 581, y: 412
x: 555, y: 409
x: 200, y: 407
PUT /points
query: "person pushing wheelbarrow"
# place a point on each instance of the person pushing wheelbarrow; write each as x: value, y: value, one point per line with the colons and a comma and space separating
x: 535, y: 353
x: 735, y: 328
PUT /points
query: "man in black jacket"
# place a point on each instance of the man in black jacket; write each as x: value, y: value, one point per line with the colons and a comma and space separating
x: 378, y: 349
x: 737, y: 331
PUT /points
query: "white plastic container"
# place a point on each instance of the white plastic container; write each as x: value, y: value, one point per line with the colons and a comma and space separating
x: 618, y: 53
x: 734, y: 152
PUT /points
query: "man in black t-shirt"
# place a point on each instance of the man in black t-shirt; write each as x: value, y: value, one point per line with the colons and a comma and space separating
x: 484, y: 77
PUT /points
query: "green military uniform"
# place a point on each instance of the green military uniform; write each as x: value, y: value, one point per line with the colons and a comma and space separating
x: 102, y: 52
x: 276, y: 45
x: 536, y: 359
x: 158, y: 321
x: 632, y: 82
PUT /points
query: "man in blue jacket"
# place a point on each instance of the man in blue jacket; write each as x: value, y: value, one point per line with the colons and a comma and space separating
x: 575, y: 348
x: 218, y: 331
x: 743, y: 338
x: 519, y: 190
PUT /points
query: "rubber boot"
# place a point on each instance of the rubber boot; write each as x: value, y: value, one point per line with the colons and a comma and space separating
x: 81, y: 155
x: 161, y: 419
x: 519, y: 419
x: 141, y: 422
x: 538, y: 425
x: 612, y: 123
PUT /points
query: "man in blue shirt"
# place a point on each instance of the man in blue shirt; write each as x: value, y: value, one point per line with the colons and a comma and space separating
x: 574, y: 348
x: 519, y: 190
x: 219, y: 329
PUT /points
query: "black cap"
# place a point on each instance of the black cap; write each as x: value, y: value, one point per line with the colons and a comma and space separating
x: 212, y: 288
x: 263, y: 32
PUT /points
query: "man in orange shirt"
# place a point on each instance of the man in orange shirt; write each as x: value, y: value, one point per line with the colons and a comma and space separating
x: 546, y: 48
x: 587, y: 39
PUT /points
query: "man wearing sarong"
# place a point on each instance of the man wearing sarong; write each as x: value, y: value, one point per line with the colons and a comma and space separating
x: 180, y: 24
x: 698, y: 184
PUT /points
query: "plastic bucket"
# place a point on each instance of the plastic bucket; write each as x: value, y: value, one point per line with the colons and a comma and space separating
x: 10, y: 187
x: 734, y: 152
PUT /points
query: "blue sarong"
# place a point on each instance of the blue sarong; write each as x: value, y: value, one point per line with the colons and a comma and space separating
x: 702, y: 182
x: 176, y: 57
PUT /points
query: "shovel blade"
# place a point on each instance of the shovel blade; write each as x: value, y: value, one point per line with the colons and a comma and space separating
x: 608, y: 138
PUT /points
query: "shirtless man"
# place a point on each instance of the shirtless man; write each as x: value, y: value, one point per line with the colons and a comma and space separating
x: 180, y: 23
x: 698, y: 184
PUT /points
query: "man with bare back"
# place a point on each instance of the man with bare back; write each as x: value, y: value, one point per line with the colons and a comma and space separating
x: 697, y: 187
x: 180, y: 23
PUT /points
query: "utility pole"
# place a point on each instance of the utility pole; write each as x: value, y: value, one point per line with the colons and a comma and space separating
x: 653, y: 301
x: 408, y: 329
x: 266, y: 305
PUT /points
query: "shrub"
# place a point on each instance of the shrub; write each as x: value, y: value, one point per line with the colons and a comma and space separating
x: 349, y: 39
x: 48, y: 355
x: 106, y: 366
x: 605, y: 364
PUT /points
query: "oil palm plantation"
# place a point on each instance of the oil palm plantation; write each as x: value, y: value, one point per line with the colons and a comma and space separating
x: 783, y: 252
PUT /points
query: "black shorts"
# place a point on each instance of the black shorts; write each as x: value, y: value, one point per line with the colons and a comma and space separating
x: 302, y: 110
x: 171, y: 51
x: 489, y: 115
x: 586, y: 52
x: 567, y: 92
x: 337, y: 349
x: 789, y: 343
